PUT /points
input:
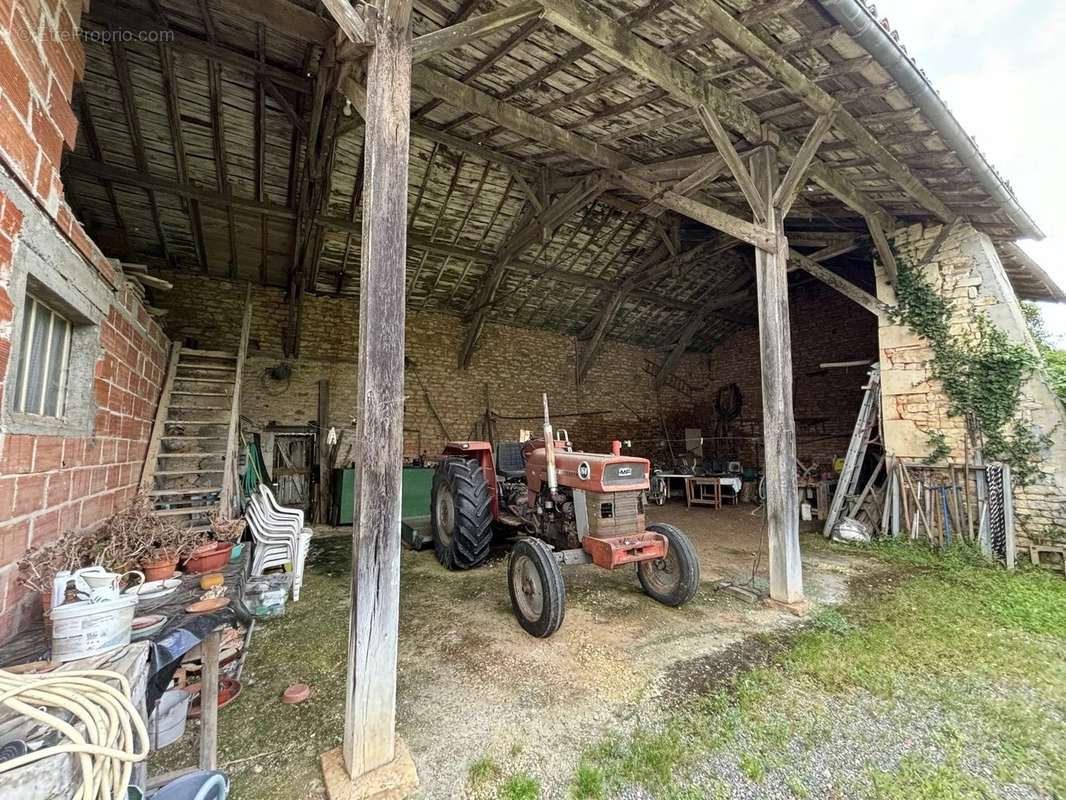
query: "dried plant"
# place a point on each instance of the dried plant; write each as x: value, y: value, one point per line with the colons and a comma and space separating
x: 38, y: 570
x: 226, y: 529
x: 137, y: 534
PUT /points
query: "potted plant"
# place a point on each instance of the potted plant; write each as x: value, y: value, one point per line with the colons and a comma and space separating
x: 137, y: 536
x: 227, y: 529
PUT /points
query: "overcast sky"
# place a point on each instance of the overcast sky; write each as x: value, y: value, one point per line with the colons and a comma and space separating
x: 1001, y: 67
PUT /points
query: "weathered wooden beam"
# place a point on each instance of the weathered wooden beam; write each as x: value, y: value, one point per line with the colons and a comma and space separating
x: 814, y: 97
x: 285, y: 17
x: 370, y: 710
x: 695, y: 323
x: 454, y: 36
x: 728, y: 152
x: 133, y: 126
x: 181, y: 163
x: 531, y: 228
x: 524, y: 123
x: 612, y: 40
x: 349, y: 20
x: 884, y: 249
x: 789, y: 187
x: 842, y: 285
x: 106, y: 12
x: 779, y: 426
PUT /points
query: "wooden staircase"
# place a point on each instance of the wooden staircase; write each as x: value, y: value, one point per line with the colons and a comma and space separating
x: 190, y: 469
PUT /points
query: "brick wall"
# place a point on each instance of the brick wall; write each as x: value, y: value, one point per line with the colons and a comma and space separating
x: 826, y: 327
x: 967, y: 271
x: 514, y: 365
x: 49, y: 484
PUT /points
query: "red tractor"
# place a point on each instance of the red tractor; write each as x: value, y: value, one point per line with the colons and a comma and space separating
x: 567, y: 508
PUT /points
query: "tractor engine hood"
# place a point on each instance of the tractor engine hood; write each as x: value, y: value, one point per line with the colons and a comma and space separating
x: 592, y: 472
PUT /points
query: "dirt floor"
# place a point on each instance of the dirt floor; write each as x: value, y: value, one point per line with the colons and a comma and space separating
x: 473, y: 685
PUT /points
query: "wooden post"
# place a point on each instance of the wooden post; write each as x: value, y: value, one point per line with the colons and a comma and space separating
x: 374, y: 762
x: 779, y: 427
x: 209, y: 701
x: 325, y: 471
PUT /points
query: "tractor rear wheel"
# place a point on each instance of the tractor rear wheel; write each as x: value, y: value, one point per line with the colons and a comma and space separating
x: 535, y: 581
x: 461, y: 515
x: 674, y: 579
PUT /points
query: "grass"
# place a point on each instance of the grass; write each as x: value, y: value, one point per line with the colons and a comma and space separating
x: 979, y: 648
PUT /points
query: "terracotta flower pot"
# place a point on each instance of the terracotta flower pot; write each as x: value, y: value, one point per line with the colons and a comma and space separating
x: 209, y: 557
x: 159, y: 569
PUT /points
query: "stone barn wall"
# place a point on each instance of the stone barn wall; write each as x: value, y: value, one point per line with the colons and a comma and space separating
x: 968, y: 272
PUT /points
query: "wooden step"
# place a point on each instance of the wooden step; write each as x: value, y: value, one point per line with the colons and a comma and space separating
x: 190, y: 472
x: 195, y: 454
x: 191, y: 438
x: 188, y: 351
x: 180, y: 512
x: 201, y: 408
x: 200, y: 394
x: 204, y: 380
x: 196, y: 422
x: 205, y: 368
x: 190, y: 490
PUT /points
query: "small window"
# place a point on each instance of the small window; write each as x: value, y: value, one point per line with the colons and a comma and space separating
x: 606, y: 510
x: 44, y: 353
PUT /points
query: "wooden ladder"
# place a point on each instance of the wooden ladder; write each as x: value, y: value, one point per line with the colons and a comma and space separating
x: 190, y: 468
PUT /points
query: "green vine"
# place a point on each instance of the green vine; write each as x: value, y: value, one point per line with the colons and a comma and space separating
x: 982, y: 373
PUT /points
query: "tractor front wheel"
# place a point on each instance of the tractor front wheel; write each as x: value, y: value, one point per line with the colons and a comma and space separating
x: 673, y: 579
x: 538, y: 597
x: 461, y: 514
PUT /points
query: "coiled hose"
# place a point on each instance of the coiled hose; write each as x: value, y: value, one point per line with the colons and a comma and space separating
x: 115, y: 736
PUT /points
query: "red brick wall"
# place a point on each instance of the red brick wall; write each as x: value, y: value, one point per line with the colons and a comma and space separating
x: 49, y: 484
x: 826, y: 328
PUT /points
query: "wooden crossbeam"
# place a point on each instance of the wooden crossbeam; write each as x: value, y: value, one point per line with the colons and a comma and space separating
x: 688, y: 332
x: 349, y: 20
x: 133, y: 125
x: 535, y: 225
x: 728, y: 151
x: 842, y: 285
x: 789, y: 187
x: 817, y: 99
x: 454, y: 36
x: 884, y: 249
x: 612, y: 40
x: 524, y: 123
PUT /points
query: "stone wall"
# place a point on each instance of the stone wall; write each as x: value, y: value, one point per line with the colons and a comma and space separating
x: 514, y: 365
x: 510, y: 370
x: 968, y: 272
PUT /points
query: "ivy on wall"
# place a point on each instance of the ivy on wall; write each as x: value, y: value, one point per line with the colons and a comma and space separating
x: 982, y: 372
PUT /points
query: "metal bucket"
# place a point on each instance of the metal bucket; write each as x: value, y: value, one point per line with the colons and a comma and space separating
x: 167, y: 723
x: 85, y: 628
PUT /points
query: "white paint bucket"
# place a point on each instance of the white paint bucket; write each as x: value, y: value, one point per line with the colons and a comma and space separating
x: 84, y: 629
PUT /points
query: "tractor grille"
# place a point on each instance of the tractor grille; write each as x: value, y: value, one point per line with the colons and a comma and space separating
x: 614, y: 474
x: 614, y: 514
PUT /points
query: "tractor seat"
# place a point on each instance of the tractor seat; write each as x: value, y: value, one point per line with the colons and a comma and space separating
x: 510, y: 463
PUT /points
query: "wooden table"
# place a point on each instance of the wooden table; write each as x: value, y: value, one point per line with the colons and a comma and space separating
x: 696, y: 489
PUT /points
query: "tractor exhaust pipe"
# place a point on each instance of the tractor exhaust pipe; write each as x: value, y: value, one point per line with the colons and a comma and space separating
x: 549, y: 450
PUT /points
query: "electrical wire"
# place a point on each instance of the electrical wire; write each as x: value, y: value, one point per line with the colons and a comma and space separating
x: 106, y: 752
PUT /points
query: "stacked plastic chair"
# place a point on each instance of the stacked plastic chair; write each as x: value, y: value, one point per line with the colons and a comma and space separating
x: 279, y: 534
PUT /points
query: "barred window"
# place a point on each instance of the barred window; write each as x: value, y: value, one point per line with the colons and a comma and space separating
x: 44, y: 354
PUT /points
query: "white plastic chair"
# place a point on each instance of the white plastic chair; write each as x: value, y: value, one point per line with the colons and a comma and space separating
x: 275, y: 509
x: 278, y: 541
